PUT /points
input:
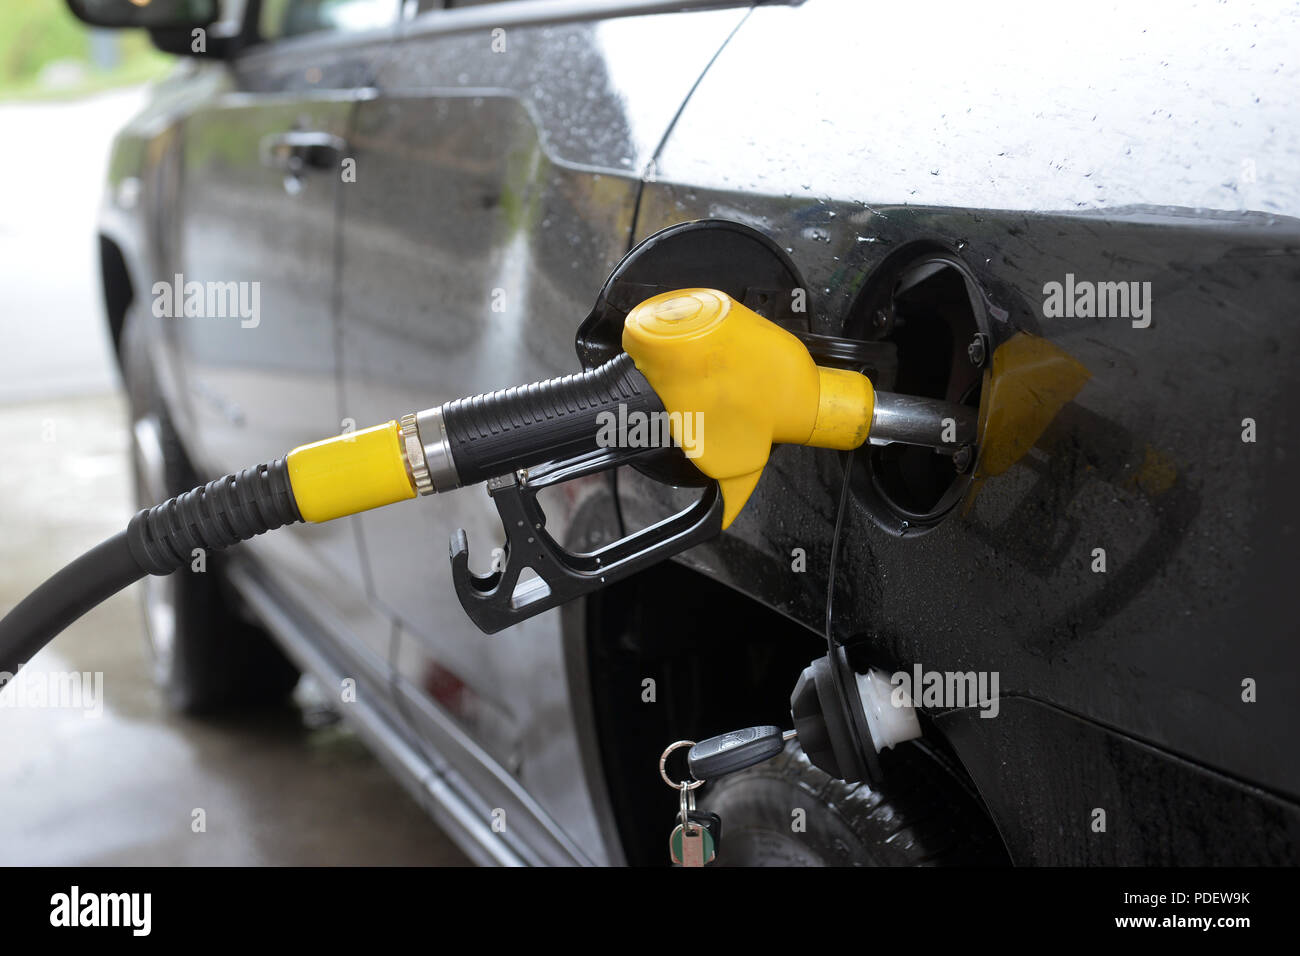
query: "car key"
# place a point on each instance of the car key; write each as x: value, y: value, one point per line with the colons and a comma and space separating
x: 727, y: 753
x: 691, y: 844
x: 693, y: 841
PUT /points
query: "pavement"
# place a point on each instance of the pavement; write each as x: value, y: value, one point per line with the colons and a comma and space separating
x: 94, y: 770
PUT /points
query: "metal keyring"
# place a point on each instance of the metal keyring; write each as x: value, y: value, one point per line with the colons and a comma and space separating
x: 663, y: 763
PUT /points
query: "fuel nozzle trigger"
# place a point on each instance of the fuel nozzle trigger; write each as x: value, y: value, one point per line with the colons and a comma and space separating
x: 497, y: 600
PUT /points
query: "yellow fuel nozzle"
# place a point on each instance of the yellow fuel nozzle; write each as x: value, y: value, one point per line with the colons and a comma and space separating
x: 747, y: 384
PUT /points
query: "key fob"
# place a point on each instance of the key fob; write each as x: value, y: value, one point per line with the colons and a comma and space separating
x: 727, y: 753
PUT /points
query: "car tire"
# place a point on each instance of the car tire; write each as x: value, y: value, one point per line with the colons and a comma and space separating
x: 206, y: 654
x: 919, y: 816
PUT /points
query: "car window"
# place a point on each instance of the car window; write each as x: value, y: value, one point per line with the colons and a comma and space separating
x: 288, y: 18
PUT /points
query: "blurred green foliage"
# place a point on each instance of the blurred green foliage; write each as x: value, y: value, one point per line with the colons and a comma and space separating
x: 36, y: 33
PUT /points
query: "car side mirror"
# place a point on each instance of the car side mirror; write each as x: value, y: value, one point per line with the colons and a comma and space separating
x: 195, y: 28
x: 148, y: 14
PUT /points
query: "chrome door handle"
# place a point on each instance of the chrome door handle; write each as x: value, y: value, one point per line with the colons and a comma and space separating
x: 298, y: 151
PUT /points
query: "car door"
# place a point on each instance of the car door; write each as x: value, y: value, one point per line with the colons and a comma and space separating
x: 262, y: 162
x: 498, y: 168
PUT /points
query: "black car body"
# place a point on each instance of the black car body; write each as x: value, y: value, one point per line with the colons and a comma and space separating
x: 930, y: 174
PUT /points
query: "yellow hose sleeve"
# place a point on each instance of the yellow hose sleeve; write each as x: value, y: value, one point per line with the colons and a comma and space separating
x: 349, y: 473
